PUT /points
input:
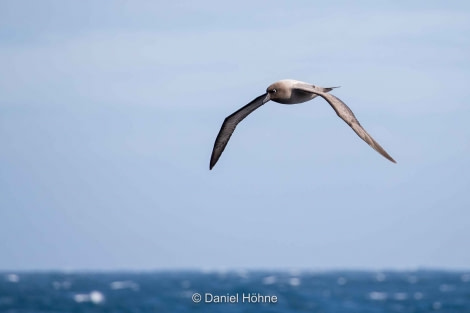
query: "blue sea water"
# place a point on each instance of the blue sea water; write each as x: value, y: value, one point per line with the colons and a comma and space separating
x: 236, y: 291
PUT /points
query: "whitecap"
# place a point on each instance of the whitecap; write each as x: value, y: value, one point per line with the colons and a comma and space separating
x: 437, y: 305
x: 61, y: 284
x: 418, y: 295
x: 341, y: 281
x: 269, y: 280
x: 81, y: 297
x: 242, y: 273
x: 126, y: 284
x: 294, y: 281
x: 377, y: 295
x: 380, y: 277
x: 96, y: 297
x: 12, y: 278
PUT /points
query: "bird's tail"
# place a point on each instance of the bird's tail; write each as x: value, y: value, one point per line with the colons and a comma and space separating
x: 326, y: 89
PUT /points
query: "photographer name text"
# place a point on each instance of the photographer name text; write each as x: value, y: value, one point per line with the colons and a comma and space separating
x: 235, y: 298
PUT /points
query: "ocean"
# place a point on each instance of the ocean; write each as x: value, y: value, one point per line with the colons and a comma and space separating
x: 236, y: 291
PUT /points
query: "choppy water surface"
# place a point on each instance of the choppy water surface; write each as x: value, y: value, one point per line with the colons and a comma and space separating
x: 236, y: 291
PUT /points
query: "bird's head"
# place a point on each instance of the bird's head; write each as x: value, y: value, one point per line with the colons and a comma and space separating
x: 276, y: 91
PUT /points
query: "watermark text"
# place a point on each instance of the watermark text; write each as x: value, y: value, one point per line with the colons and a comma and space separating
x: 252, y: 297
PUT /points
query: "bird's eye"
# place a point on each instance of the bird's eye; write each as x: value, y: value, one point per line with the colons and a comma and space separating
x: 273, y: 90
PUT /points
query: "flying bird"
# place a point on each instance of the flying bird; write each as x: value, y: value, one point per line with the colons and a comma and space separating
x: 289, y: 91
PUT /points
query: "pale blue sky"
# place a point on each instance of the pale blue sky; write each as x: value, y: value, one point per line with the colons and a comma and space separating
x: 109, y: 111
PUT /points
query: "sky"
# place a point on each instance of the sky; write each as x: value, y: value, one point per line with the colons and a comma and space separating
x: 109, y: 111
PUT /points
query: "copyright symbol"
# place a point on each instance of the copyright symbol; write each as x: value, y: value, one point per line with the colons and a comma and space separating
x: 196, y: 298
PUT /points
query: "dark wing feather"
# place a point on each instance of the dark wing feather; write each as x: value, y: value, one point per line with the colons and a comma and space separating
x: 343, y: 111
x: 229, y: 125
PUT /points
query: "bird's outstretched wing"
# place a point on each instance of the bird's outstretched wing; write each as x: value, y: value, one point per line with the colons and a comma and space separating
x: 229, y: 125
x: 343, y: 111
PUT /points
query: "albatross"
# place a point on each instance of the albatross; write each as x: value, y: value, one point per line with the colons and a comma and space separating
x: 289, y: 91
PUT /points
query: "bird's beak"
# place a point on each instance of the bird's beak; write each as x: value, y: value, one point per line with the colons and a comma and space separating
x: 267, y: 98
